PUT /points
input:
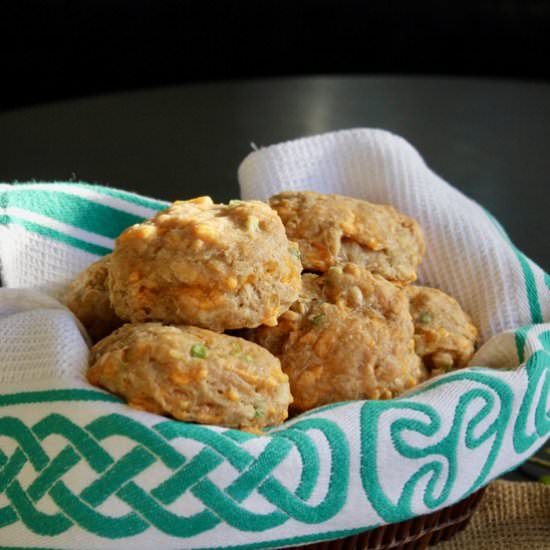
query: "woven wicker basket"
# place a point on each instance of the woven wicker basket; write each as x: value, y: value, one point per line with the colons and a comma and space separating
x: 414, y: 534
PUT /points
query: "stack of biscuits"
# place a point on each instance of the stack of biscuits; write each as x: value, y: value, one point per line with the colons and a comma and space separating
x: 233, y: 314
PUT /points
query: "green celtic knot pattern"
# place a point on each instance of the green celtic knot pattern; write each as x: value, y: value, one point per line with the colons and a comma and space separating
x: 149, y: 508
x: 535, y: 400
x: 425, y: 420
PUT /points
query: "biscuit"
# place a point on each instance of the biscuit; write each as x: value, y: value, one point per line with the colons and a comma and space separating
x: 444, y: 334
x: 349, y: 336
x: 211, y: 265
x: 333, y: 229
x: 88, y: 298
x: 193, y: 374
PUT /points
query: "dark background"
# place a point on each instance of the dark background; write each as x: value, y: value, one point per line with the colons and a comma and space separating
x: 57, y: 49
x: 139, y: 94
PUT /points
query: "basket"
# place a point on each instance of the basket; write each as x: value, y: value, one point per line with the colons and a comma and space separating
x: 414, y: 534
x: 80, y: 465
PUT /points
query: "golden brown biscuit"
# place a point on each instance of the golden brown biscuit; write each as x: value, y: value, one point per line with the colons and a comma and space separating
x: 193, y: 374
x: 88, y: 298
x: 349, y: 336
x: 211, y: 265
x: 444, y: 334
x: 333, y: 229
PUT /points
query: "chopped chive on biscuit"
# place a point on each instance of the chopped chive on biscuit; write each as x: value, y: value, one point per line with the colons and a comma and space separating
x: 425, y: 317
x: 199, y: 351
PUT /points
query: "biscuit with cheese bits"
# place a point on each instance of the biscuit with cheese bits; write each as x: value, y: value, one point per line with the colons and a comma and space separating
x: 334, y: 229
x: 210, y: 265
x: 192, y: 374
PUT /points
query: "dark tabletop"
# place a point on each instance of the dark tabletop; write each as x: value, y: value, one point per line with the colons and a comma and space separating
x: 491, y: 139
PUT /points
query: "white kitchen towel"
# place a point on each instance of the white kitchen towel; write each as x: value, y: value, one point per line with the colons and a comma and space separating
x: 79, y: 469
